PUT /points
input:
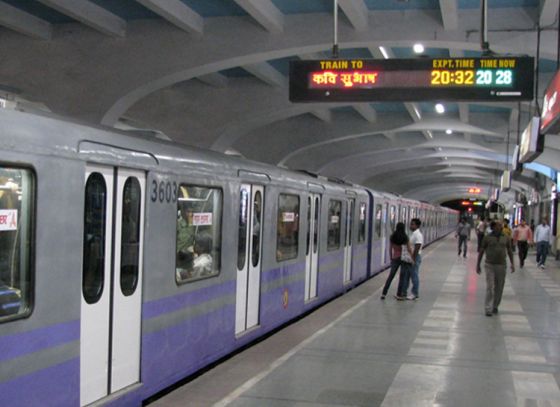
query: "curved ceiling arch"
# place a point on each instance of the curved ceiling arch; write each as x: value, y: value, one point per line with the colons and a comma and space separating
x: 240, y: 107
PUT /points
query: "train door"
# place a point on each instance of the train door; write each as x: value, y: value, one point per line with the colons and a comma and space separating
x: 312, y: 249
x: 249, y: 257
x: 348, y: 240
x: 111, y: 299
x: 380, y: 230
x: 384, y: 240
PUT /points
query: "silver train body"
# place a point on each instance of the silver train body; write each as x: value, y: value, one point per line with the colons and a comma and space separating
x: 127, y: 264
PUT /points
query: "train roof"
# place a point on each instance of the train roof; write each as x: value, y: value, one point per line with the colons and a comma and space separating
x: 53, y: 136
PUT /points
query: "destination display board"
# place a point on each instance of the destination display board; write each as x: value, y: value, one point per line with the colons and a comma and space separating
x: 369, y: 80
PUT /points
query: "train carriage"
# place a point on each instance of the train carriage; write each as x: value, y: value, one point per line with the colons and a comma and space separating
x: 128, y: 263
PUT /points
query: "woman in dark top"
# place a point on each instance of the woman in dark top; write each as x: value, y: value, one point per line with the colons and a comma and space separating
x: 399, y: 240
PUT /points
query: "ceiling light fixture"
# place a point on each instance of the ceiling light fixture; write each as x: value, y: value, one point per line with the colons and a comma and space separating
x: 440, y: 108
x: 448, y: 131
x: 418, y: 48
x: 384, y: 52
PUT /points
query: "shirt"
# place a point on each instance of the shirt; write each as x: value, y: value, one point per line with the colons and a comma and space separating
x: 185, y: 235
x: 417, y: 238
x: 495, y: 248
x: 481, y: 228
x: 542, y: 233
x: 523, y: 234
x: 396, y: 251
x: 463, y: 229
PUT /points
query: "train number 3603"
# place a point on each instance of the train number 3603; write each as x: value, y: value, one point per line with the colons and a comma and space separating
x: 163, y: 191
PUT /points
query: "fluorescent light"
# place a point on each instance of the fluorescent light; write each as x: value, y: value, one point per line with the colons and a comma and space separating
x: 430, y: 133
x: 418, y: 48
x: 384, y: 52
x: 448, y: 131
x: 440, y: 108
x: 417, y: 112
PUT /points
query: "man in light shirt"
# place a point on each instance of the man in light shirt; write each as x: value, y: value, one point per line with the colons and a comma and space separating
x: 416, y: 241
x: 523, y: 237
x: 542, y: 238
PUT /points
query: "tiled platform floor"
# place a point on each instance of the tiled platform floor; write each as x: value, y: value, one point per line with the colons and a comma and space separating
x: 438, y: 351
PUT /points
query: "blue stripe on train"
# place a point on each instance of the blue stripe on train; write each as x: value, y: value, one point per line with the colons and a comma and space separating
x: 57, y: 385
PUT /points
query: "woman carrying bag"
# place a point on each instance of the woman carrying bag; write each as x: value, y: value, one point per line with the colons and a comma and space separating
x: 401, y: 255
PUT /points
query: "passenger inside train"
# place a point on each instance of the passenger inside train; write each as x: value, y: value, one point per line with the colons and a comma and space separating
x: 198, y: 232
x: 202, y: 264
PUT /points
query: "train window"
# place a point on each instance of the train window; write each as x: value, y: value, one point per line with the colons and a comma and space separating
x: 378, y: 220
x: 95, y: 217
x: 308, y: 238
x: 335, y: 210
x: 130, y: 235
x: 287, y: 236
x: 199, y: 226
x: 242, y: 235
x: 316, y: 231
x: 16, y: 218
x: 257, y: 221
x: 363, y: 219
x: 393, y: 217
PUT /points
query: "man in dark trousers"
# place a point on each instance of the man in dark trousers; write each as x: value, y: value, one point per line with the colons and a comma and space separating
x: 495, y: 245
x: 463, y: 233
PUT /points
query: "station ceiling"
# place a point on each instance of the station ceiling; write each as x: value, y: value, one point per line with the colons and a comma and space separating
x: 214, y: 73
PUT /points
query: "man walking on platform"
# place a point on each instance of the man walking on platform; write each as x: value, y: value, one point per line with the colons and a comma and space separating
x: 495, y: 245
x: 463, y: 233
x: 542, y: 237
x: 480, y: 230
x: 523, y: 237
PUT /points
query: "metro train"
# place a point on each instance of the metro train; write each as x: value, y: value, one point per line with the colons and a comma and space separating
x: 129, y: 263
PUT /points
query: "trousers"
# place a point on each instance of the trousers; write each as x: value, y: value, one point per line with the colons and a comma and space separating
x: 395, y: 263
x: 523, y: 247
x: 462, y: 242
x: 542, y: 251
x: 495, y: 280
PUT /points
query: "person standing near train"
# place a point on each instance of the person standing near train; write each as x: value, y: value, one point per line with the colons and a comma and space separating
x: 416, y: 241
x: 399, y: 242
x: 495, y: 245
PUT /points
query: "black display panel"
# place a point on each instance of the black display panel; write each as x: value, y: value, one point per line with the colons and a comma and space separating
x: 370, y: 80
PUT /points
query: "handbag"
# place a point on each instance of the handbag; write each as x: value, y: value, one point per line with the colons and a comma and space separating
x: 405, y: 255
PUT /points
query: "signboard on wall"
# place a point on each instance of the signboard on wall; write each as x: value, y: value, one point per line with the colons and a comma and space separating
x: 532, y: 142
x: 551, y: 107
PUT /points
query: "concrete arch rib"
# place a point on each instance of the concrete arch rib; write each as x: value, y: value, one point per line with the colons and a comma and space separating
x: 440, y: 193
x: 409, y: 162
x: 299, y: 38
x: 407, y: 149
